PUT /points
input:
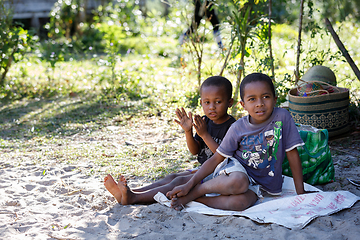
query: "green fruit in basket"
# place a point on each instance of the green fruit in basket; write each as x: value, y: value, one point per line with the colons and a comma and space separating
x: 313, y: 161
x: 305, y: 164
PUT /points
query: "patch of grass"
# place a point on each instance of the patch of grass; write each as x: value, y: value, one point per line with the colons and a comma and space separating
x: 84, y: 117
x: 74, y: 127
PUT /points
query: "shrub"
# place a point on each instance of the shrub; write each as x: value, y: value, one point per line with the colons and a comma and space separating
x: 14, y: 41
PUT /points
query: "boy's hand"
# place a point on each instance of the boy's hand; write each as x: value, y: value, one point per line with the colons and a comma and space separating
x: 305, y: 192
x: 178, y: 191
x: 185, y: 121
x: 200, y: 125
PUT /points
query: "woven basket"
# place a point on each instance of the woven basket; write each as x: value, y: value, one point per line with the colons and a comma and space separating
x: 328, y: 111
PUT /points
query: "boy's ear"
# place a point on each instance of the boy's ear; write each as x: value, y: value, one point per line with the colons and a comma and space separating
x: 231, y: 102
x: 242, y: 104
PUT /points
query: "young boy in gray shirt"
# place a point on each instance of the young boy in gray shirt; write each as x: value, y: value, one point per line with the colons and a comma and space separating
x: 250, y: 155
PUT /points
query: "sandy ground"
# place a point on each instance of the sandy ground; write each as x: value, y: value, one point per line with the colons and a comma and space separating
x: 58, y: 201
x: 64, y: 203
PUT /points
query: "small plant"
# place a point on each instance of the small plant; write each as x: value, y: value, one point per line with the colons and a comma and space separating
x: 113, y: 57
x: 245, y: 18
x: 65, y: 18
x: 124, y: 13
x: 53, y: 52
x: 282, y: 88
x: 195, y: 37
x: 193, y: 98
x: 14, y: 41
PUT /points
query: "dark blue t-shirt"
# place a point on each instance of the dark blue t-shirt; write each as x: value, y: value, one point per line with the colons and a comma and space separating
x: 217, y: 132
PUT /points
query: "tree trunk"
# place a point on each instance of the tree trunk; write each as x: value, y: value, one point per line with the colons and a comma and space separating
x: 199, y: 71
x: 3, y: 75
x: 297, y: 74
x: 239, y: 75
x: 227, y: 57
x: 270, y: 47
x: 342, y: 48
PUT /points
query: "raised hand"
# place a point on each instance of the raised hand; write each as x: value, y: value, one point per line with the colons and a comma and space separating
x: 200, y: 125
x: 185, y: 120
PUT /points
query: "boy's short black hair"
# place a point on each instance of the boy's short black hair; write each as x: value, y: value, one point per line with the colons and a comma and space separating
x: 256, y: 77
x: 218, y: 81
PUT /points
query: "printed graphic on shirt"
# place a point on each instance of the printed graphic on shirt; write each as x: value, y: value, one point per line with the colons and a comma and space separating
x: 207, y: 150
x: 260, y: 150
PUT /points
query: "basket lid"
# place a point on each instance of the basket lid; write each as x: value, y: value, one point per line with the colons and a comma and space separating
x: 320, y: 73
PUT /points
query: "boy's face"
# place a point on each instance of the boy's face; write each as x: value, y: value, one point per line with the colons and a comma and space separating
x: 258, y: 101
x: 215, y: 103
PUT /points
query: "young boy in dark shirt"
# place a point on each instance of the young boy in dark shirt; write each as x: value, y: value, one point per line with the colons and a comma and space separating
x: 215, y: 93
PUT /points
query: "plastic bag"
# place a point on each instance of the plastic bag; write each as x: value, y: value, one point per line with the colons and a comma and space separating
x: 316, y: 161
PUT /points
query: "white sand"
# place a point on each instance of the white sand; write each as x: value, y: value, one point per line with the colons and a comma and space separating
x: 64, y: 203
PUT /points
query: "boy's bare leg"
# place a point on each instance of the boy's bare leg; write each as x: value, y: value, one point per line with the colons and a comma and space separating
x: 161, y: 182
x: 129, y: 197
x: 237, y: 202
x: 236, y: 183
x: 112, y: 187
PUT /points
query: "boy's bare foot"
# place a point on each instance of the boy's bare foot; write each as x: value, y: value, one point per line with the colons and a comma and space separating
x: 127, y: 196
x: 120, y: 190
x: 178, y: 203
x: 112, y: 187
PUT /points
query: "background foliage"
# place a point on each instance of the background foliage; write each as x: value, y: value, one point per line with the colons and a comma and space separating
x: 123, y: 28
x: 123, y: 65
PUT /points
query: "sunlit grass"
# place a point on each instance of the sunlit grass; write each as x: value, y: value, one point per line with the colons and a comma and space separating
x: 77, y: 115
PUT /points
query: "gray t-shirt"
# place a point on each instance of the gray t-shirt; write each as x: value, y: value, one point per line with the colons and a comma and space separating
x: 261, y: 148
